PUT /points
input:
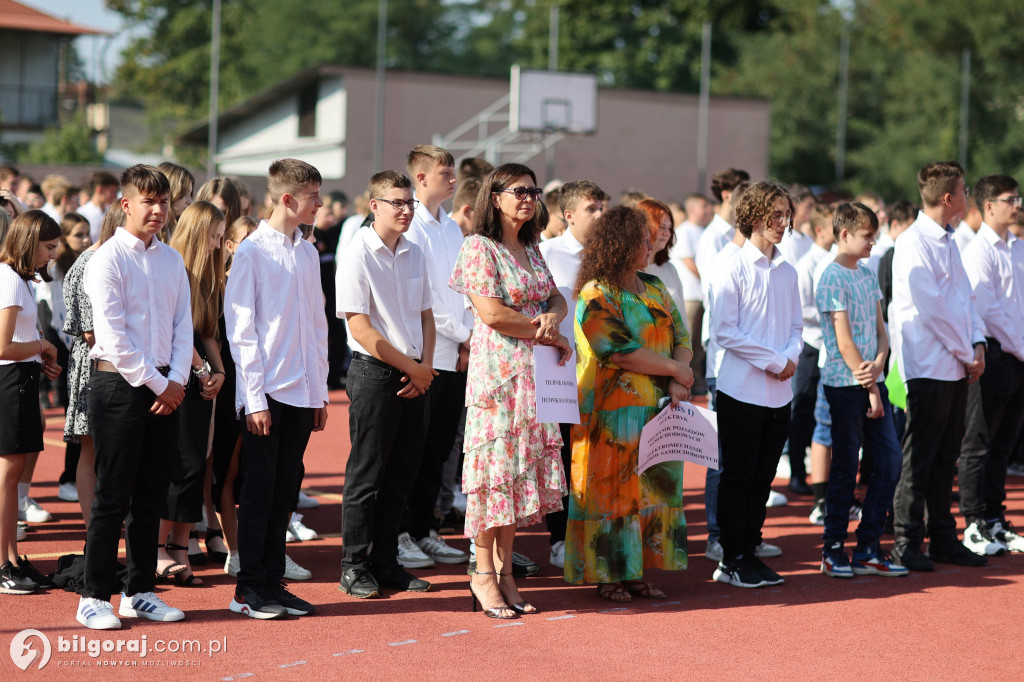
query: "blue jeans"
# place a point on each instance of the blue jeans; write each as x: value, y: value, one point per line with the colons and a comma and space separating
x: 851, y: 428
x: 713, y: 476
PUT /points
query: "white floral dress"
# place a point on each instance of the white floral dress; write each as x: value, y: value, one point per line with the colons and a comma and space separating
x: 512, y: 473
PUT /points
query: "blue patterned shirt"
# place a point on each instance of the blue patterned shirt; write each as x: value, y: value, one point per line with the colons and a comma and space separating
x: 855, y: 292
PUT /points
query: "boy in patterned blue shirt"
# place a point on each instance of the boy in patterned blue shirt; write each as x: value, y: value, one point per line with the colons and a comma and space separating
x: 856, y: 344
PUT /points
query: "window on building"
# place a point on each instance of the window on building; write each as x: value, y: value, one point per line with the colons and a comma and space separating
x: 307, y: 110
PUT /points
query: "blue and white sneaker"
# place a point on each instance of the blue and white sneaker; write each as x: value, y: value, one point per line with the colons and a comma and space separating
x: 149, y: 606
x: 97, y: 614
x: 835, y: 563
x: 876, y: 562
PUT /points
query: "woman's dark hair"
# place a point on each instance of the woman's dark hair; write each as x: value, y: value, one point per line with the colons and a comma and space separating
x: 22, y: 242
x: 611, y: 245
x: 487, y: 220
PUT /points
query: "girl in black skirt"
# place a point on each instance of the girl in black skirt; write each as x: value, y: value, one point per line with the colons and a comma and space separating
x: 27, y: 249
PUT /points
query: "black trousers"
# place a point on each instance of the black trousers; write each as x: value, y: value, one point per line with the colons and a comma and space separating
x: 931, y: 444
x: 801, y: 423
x: 387, y: 434
x: 995, y: 415
x: 558, y: 521
x: 751, y: 438
x: 272, y: 467
x: 446, y: 397
x: 134, y: 453
x: 183, y: 500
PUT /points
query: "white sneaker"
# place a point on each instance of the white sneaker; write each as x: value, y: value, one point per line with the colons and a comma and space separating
x: 22, y: 533
x: 776, y: 499
x: 149, y: 606
x: 1004, y: 532
x: 29, y: 510
x: 979, y: 539
x: 557, y: 558
x: 292, y: 571
x: 231, y: 564
x: 1015, y: 470
x: 300, y: 532
x: 817, y: 515
x: 97, y: 614
x: 767, y: 550
x: 856, y: 511
x: 307, y: 502
x: 67, y: 492
x: 714, y: 552
x: 410, y: 555
x: 440, y: 551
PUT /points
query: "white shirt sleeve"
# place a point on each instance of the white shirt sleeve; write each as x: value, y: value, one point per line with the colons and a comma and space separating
x: 240, y: 319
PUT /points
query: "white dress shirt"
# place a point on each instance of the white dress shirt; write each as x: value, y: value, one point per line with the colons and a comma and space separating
x: 17, y: 293
x: 963, y: 235
x: 712, y: 350
x: 716, y: 235
x: 563, y: 254
x: 94, y: 214
x: 687, y: 238
x: 669, y: 276
x: 393, y: 289
x: 274, y: 310
x: 349, y: 228
x: 440, y: 241
x: 932, y: 304
x: 794, y: 245
x: 998, y: 295
x: 755, y: 318
x: 141, y: 310
x: 806, y: 279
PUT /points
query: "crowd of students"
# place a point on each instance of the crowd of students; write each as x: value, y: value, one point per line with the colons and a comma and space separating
x: 198, y: 346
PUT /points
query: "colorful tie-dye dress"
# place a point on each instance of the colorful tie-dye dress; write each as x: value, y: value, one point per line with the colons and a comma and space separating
x: 621, y: 523
x: 512, y: 473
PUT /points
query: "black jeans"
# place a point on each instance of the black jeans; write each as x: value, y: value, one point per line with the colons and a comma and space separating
x: 446, y: 397
x: 931, y: 444
x: 995, y: 414
x: 387, y: 434
x: 558, y: 521
x: 134, y: 453
x: 751, y: 439
x: 801, y: 423
x: 272, y: 469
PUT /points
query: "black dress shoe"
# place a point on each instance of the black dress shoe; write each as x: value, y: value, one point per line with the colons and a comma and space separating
x: 955, y: 553
x: 798, y: 486
x: 359, y: 583
x: 912, y: 558
x: 401, y: 579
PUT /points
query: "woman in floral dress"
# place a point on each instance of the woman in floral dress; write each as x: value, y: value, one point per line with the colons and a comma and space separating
x: 633, y: 350
x: 512, y: 474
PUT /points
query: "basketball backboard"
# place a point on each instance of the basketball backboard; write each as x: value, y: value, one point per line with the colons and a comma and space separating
x: 549, y: 101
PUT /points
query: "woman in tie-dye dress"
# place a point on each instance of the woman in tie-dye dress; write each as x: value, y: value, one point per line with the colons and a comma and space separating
x: 634, y: 350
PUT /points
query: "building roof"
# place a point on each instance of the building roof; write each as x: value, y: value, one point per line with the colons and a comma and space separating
x: 15, y: 16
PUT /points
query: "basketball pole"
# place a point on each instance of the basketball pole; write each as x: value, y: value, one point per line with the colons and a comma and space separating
x: 378, y: 132
x: 704, y: 107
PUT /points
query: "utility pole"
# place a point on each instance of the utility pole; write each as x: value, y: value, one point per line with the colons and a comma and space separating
x: 382, y: 51
x: 211, y: 138
x: 704, y: 108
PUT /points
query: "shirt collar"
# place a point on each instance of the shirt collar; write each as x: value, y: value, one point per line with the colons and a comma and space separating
x: 423, y: 215
x: 931, y: 228
x: 268, y: 229
x: 132, y: 242
x: 373, y: 240
x: 720, y: 224
x: 754, y: 255
x: 992, y: 237
x: 570, y: 241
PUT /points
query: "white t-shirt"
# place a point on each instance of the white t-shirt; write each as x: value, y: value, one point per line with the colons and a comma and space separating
x: 562, y: 254
x: 16, y: 292
x: 94, y: 214
x: 687, y: 237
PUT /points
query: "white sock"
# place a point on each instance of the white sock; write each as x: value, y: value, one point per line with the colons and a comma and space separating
x: 23, y: 489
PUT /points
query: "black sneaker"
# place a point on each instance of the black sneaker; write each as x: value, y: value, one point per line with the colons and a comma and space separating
x: 359, y: 583
x: 27, y: 570
x: 12, y: 582
x: 739, y: 573
x: 769, y: 576
x: 912, y: 558
x: 252, y: 603
x: 292, y: 604
x: 955, y: 553
x: 401, y: 579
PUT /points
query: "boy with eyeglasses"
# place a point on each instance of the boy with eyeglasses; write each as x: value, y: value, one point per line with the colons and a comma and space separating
x: 384, y: 293
x: 995, y: 403
x: 940, y: 347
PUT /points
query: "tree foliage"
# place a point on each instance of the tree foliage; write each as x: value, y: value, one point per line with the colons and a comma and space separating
x: 905, y: 56
x: 70, y: 142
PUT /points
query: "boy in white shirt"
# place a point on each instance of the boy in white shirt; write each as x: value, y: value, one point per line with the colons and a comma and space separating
x: 432, y: 170
x: 142, y: 321
x: 995, y: 403
x: 386, y: 299
x: 755, y: 318
x: 273, y: 307
x: 941, y: 348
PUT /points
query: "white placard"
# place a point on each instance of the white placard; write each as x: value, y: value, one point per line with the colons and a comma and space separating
x: 685, y: 432
x: 557, y: 400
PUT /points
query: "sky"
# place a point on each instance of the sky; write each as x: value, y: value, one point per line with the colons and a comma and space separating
x: 100, y: 54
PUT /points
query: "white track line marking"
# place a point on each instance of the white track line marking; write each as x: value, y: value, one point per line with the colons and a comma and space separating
x: 565, y: 617
x: 457, y: 632
x: 350, y: 651
x: 291, y: 665
x: 402, y: 643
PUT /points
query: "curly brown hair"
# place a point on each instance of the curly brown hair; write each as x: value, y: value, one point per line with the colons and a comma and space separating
x: 613, y: 240
x: 757, y: 203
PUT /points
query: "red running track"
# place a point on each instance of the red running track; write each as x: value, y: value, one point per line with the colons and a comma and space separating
x: 944, y: 625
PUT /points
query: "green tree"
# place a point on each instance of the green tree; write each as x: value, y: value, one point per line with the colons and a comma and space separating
x: 71, y: 142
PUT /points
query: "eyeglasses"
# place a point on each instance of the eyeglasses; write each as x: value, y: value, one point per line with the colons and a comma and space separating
x: 782, y: 219
x: 400, y: 205
x: 521, y: 193
x: 1012, y: 201
x: 967, y: 190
